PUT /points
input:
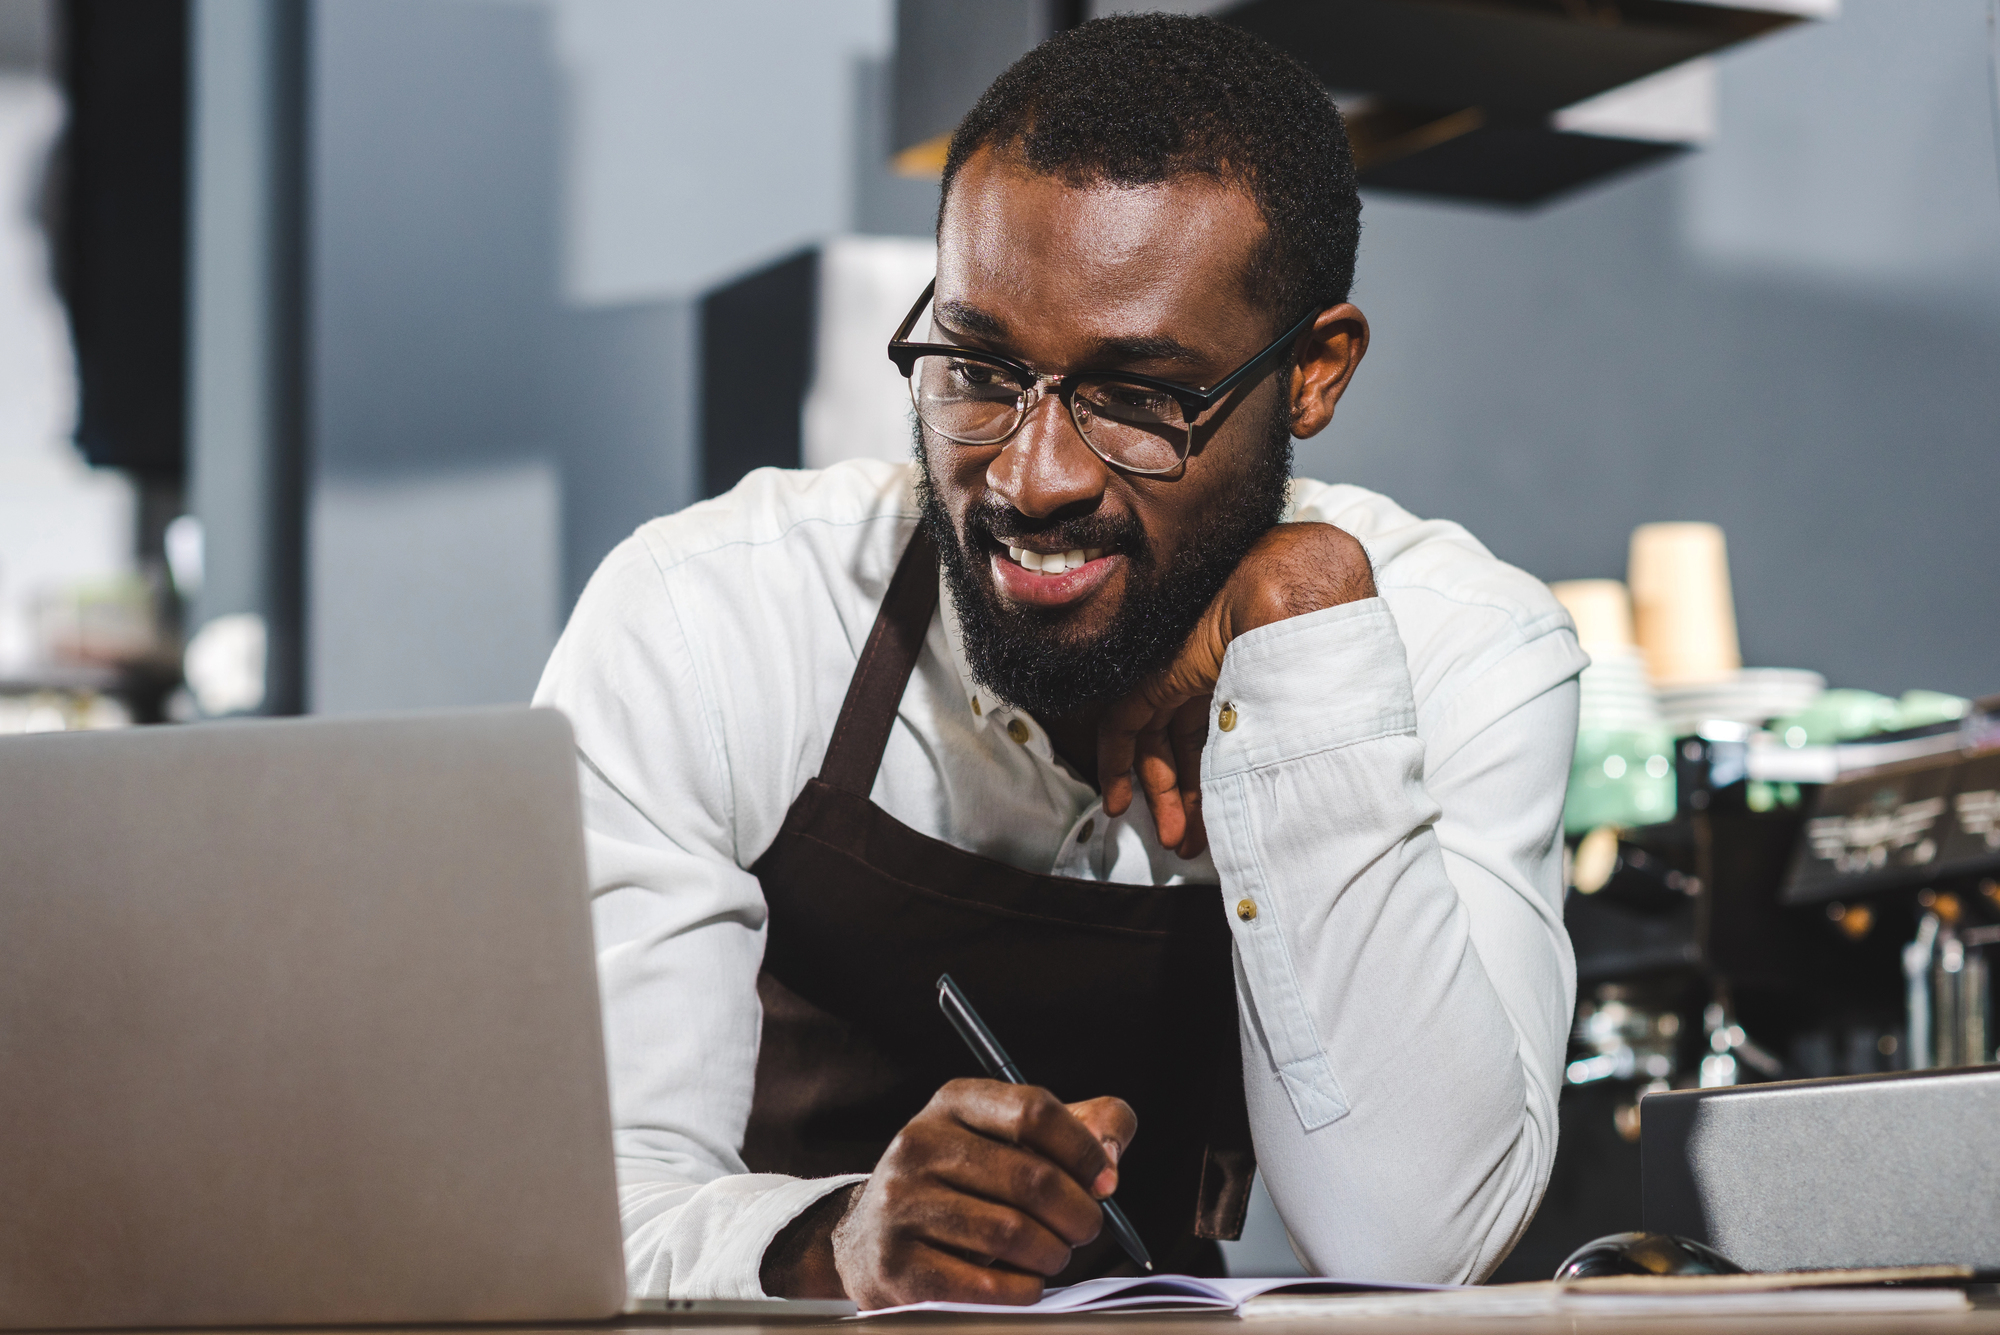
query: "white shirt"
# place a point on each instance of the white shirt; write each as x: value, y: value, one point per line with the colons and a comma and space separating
x: 1390, y: 796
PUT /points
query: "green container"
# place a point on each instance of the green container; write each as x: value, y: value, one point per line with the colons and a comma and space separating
x: 1622, y: 778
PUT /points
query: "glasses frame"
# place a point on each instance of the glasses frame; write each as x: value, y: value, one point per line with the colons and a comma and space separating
x: 1193, y: 401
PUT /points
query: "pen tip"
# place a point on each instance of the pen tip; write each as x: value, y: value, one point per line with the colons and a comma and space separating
x: 1149, y: 1265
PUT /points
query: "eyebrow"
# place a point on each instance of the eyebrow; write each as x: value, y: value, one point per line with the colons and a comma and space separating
x: 958, y: 317
x: 1145, y: 348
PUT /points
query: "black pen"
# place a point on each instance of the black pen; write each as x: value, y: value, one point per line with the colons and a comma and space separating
x: 1001, y: 1067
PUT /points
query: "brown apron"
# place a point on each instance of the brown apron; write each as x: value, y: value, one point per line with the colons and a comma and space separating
x: 1095, y: 988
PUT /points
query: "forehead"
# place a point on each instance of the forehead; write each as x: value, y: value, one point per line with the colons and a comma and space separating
x: 1109, y: 256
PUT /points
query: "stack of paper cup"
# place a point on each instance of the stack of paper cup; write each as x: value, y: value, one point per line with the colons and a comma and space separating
x: 1685, y: 621
x: 1683, y: 613
x: 1622, y: 771
x: 1615, y: 693
x: 1748, y: 697
x: 1602, y: 611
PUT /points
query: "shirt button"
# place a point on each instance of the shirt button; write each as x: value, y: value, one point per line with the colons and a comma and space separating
x: 1246, y: 909
x: 1017, y: 730
x: 975, y: 706
x: 1089, y: 828
x: 1226, y: 720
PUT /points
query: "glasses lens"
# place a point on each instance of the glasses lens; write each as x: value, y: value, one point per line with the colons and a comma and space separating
x: 1133, y: 426
x: 972, y: 402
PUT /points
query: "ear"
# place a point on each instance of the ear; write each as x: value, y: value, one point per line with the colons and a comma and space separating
x: 1328, y: 354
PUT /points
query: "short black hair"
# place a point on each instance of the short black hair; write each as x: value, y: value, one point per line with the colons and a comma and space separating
x: 1136, y: 99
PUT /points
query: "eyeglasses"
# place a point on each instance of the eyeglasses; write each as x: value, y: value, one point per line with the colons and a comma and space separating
x: 1133, y: 422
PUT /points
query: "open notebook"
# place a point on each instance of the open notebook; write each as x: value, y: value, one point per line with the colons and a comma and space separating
x: 1902, y: 1289
x: 1159, y: 1293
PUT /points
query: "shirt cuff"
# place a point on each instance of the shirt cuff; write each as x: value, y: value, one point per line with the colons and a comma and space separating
x: 712, y: 1244
x: 1347, y: 662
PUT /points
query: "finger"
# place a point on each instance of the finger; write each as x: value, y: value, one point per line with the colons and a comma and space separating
x: 1160, y: 781
x: 996, y: 1232
x: 931, y: 1273
x: 1188, y: 734
x: 1117, y: 745
x: 1114, y: 1124
x: 1032, y: 1118
x: 1196, y: 842
x: 1014, y: 1206
x: 1119, y: 731
x: 1117, y: 789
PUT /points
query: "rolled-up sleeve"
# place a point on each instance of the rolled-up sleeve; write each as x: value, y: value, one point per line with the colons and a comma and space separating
x: 1392, y: 869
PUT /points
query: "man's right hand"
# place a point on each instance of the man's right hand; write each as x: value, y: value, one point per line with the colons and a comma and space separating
x: 980, y: 1198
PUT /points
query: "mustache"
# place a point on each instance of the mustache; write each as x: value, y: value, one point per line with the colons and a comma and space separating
x: 1003, y: 525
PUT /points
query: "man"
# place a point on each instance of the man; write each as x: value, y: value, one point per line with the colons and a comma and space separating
x: 844, y: 732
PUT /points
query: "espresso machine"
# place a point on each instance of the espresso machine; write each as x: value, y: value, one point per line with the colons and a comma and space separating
x: 1766, y: 880
x: 1805, y: 912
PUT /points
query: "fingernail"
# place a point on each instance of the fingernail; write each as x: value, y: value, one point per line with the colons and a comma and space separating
x: 1105, y: 1184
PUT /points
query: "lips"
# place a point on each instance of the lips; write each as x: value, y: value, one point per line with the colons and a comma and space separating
x: 1051, y: 579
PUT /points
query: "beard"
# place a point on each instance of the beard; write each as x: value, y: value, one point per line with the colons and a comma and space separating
x: 1033, y: 657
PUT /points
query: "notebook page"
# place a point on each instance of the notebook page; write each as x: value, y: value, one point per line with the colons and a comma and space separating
x: 1240, y: 1291
x: 1171, y: 1292
x: 1181, y: 1293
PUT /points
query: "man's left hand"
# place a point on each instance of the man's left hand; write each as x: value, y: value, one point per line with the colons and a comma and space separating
x: 1158, y: 731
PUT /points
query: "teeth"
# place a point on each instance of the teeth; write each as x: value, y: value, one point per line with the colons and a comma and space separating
x: 1054, y: 563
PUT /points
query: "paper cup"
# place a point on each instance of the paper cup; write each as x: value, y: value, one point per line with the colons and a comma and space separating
x: 1601, y: 609
x: 1682, y: 611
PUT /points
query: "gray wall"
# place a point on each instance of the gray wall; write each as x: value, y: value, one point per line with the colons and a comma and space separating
x: 478, y: 440
x: 1794, y: 333
x: 25, y: 35
x: 516, y: 204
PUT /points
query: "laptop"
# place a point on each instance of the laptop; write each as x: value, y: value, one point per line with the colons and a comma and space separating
x: 299, y: 1026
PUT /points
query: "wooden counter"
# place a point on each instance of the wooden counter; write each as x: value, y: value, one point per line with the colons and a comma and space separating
x: 1980, y: 1321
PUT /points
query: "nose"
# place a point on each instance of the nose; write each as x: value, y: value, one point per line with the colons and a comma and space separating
x: 1046, y: 467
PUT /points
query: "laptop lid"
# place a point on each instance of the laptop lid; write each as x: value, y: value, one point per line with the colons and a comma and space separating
x: 299, y: 1025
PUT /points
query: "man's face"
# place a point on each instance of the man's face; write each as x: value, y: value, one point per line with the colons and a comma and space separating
x: 1104, y: 278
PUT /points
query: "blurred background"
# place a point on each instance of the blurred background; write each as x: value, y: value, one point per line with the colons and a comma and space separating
x: 340, y: 341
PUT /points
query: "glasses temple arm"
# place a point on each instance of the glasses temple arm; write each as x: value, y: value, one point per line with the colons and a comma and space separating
x: 910, y: 320
x: 1249, y: 368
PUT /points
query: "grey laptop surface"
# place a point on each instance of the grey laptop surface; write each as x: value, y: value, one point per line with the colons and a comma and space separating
x: 299, y: 1025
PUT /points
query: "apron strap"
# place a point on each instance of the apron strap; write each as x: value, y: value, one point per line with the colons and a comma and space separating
x: 862, y: 732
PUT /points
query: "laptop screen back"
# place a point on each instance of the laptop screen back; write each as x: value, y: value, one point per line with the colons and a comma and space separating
x: 299, y: 1025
